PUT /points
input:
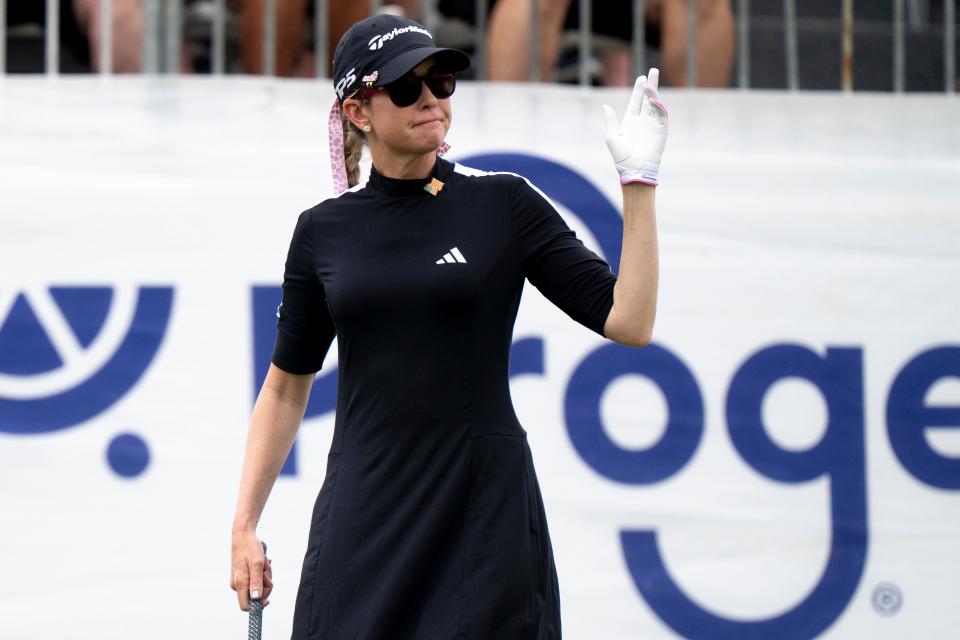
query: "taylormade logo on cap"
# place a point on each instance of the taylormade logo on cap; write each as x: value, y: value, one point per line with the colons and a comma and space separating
x: 376, y: 42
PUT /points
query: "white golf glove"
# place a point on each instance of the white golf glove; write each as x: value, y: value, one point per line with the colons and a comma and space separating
x: 637, y: 143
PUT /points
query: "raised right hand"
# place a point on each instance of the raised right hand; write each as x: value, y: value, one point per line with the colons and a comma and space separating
x: 636, y: 143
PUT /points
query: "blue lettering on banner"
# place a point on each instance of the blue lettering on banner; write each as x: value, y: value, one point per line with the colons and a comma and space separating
x: 684, y: 404
x: 908, y: 417
x: 26, y: 350
x: 107, y: 385
x: 839, y: 455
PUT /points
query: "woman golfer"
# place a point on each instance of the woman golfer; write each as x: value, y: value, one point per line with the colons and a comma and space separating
x: 430, y: 523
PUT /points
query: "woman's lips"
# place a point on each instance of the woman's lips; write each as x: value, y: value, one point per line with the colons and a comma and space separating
x: 417, y: 124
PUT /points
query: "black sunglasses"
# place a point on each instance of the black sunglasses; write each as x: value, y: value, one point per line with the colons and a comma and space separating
x: 405, y: 90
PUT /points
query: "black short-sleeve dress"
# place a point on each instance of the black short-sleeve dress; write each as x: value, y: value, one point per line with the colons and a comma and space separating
x: 429, y: 524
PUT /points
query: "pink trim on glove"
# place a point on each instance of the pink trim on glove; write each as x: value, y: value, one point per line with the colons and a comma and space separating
x: 662, y: 106
x: 648, y: 173
x: 338, y: 166
x: 641, y: 181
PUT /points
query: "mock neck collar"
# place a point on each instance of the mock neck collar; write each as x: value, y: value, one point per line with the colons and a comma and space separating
x: 403, y: 187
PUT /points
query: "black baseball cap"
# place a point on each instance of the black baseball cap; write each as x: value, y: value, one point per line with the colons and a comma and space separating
x: 378, y: 50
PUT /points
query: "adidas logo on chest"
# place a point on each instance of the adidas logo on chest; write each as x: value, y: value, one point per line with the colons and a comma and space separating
x: 452, y: 257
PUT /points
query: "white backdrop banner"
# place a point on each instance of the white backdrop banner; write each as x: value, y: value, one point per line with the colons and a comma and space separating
x: 782, y: 462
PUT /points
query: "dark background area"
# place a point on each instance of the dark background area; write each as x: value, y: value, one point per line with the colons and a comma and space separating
x: 819, y: 45
x: 818, y: 41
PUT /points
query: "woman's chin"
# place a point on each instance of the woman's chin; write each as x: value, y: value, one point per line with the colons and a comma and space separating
x: 429, y: 143
x: 431, y: 134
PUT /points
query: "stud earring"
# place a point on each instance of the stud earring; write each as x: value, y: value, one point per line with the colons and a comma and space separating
x: 366, y: 128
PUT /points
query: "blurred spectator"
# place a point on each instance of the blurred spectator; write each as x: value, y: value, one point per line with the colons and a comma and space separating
x: 291, y: 24
x: 79, y: 26
x: 127, y: 32
x: 715, y: 40
x: 612, y: 26
x: 25, y: 38
x: 294, y: 22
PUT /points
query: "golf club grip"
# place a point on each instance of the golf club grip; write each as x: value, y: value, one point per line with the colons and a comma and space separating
x: 256, y: 620
x: 255, y: 628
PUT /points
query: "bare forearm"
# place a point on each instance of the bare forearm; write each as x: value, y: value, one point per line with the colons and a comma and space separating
x: 635, y: 293
x: 273, y: 426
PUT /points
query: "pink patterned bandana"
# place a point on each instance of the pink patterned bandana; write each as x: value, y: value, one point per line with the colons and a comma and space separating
x: 335, y: 135
x: 338, y: 166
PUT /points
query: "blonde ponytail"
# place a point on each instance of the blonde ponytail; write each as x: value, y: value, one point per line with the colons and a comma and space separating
x: 353, y: 141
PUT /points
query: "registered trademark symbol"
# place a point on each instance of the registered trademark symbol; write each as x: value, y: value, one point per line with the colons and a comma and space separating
x: 887, y: 599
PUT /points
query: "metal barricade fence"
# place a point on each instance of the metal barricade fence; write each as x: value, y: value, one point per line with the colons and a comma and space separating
x: 52, y: 35
x: 162, y: 26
